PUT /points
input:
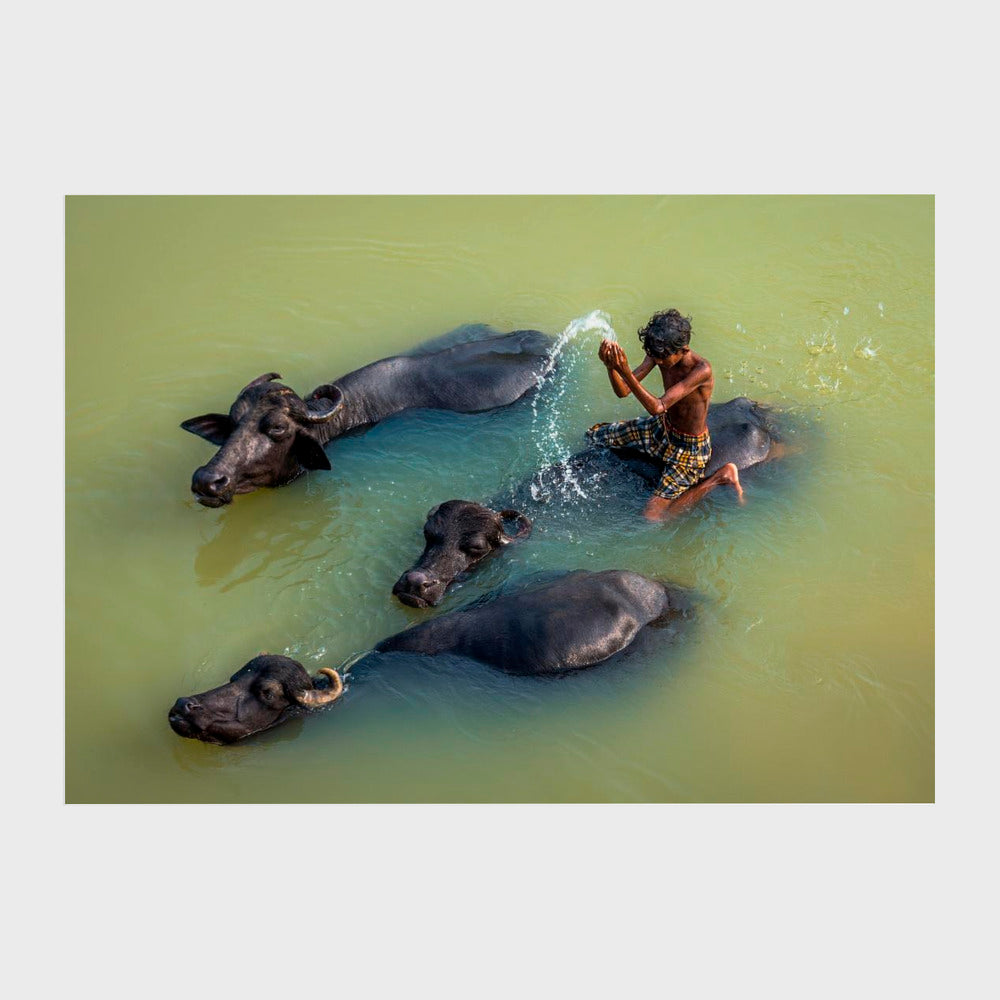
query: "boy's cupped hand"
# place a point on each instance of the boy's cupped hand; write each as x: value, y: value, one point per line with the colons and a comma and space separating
x: 612, y: 355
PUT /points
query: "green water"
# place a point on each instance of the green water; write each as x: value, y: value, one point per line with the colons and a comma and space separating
x: 808, y: 674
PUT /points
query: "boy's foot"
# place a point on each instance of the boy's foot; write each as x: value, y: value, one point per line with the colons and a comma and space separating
x: 731, y: 475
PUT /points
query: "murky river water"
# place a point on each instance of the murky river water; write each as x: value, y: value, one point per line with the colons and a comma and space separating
x: 808, y: 674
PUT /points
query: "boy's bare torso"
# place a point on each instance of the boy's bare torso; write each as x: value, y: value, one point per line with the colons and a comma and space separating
x: 688, y: 414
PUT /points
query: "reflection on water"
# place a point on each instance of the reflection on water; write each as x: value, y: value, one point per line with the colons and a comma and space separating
x: 193, y: 755
x: 255, y: 538
x: 808, y: 674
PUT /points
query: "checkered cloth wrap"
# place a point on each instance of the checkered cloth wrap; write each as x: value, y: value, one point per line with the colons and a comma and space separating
x: 684, y: 456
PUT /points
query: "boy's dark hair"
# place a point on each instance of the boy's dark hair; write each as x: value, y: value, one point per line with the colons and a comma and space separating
x: 666, y: 333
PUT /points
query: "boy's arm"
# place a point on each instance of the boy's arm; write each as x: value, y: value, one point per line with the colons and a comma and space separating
x: 652, y: 405
x: 618, y: 384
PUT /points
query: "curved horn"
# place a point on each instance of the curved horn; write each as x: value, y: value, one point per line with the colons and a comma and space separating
x: 316, y: 698
x: 323, y: 403
x: 523, y: 530
x: 260, y: 380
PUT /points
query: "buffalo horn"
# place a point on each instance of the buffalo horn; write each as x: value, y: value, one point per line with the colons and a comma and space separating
x: 260, y: 380
x: 524, y: 526
x: 316, y: 698
x: 320, y: 408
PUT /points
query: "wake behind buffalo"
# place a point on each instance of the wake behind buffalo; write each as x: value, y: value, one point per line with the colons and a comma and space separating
x: 683, y: 448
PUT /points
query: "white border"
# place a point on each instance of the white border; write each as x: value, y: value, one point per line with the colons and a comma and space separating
x: 108, y: 98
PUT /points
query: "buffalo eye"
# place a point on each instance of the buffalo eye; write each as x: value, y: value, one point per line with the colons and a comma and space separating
x: 277, y: 432
x: 269, y: 693
x: 477, y: 545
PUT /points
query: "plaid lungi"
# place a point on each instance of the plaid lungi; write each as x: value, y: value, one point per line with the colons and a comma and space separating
x: 684, y: 456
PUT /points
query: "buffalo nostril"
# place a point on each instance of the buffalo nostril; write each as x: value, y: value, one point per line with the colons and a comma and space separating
x: 186, y: 706
x: 208, y: 483
x: 418, y: 583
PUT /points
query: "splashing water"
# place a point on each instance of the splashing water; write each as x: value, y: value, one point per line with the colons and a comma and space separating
x: 546, y: 408
x: 597, y: 321
x: 825, y: 345
x: 863, y: 349
x: 827, y: 384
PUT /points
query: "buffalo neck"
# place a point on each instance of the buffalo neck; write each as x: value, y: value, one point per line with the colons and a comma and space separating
x: 370, y: 394
x: 346, y: 418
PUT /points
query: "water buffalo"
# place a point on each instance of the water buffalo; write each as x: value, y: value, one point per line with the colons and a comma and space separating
x: 577, y: 620
x: 459, y: 534
x: 743, y: 432
x: 271, y: 435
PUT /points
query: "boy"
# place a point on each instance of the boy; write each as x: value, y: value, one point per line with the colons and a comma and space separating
x: 675, y: 432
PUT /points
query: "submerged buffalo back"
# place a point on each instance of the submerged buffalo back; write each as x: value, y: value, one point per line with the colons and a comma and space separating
x: 742, y: 431
x: 465, y: 378
x: 576, y: 621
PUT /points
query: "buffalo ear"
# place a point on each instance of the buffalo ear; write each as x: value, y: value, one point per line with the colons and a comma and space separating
x: 308, y: 452
x: 214, y: 427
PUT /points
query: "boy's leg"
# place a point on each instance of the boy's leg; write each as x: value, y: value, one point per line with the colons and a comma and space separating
x: 660, y: 508
x: 621, y: 434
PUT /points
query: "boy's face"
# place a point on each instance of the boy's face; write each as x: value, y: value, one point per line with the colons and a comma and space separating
x: 670, y: 360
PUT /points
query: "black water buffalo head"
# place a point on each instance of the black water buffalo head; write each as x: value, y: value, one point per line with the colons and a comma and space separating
x: 459, y: 534
x: 268, y: 438
x: 269, y: 690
